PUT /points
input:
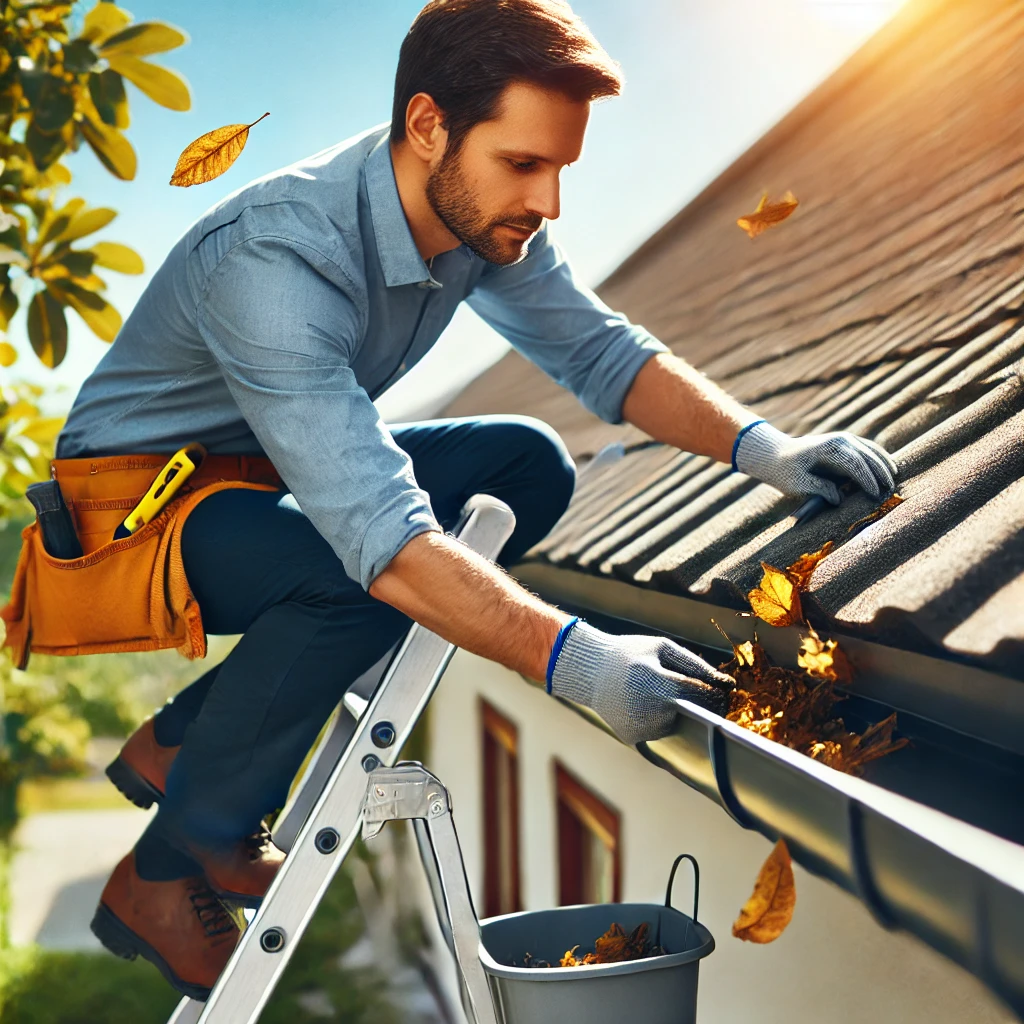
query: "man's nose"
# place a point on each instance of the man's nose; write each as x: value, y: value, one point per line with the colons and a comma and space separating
x: 544, y: 200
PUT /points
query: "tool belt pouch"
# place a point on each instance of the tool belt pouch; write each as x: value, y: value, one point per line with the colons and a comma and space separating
x: 121, y: 595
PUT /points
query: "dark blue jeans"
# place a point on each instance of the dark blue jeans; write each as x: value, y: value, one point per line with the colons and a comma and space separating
x: 258, y: 567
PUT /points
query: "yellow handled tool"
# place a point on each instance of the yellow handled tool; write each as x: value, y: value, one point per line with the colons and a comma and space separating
x: 181, y: 465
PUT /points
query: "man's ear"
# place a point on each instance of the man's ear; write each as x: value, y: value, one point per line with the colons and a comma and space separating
x: 423, y: 129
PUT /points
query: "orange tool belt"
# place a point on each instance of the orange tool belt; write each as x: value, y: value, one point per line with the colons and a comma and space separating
x: 120, y: 595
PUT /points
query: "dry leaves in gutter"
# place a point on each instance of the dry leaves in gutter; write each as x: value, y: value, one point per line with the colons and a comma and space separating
x: 796, y: 707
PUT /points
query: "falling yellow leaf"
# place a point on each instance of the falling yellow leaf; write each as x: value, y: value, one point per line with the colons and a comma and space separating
x: 802, y: 569
x: 879, y: 513
x: 770, y: 908
x: 824, y: 659
x: 211, y: 154
x: 767, y: 214
x: 7, y: 353
x: 777, y: 599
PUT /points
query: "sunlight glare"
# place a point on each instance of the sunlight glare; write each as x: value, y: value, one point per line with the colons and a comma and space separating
x: 855, y: 15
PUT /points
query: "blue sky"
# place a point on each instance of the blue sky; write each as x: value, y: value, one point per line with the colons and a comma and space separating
x: 704, y: 79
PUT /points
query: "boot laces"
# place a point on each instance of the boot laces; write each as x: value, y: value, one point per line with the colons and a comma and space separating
x: 212, y: 916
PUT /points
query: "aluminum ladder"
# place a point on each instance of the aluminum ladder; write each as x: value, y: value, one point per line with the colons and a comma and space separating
x: 350, y: 783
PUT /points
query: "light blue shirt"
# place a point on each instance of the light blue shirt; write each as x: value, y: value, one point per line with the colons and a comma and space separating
x: 282, y: 314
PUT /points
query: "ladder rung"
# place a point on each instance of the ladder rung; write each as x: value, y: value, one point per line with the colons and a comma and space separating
x: 355, y: 705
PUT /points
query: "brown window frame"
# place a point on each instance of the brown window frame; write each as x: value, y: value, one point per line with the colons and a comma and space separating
x: 578, y: 809
x: 497, y: 733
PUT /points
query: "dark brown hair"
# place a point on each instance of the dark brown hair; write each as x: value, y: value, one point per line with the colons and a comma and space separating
x: 464, y: 53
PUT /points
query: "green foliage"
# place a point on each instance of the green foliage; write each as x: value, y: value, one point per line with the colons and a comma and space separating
x: 26, y: 446
x: 44, y: 987
x: 58, y: 90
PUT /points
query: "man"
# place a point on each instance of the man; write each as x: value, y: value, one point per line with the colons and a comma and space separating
x: 269, y: 330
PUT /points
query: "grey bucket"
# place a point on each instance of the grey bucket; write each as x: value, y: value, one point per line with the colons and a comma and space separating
x: 656, y: 990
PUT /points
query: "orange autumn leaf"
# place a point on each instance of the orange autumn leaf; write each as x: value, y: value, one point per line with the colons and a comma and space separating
x: 777, y: 599
x: 770, y: 908
x: 211, y: 154
x: 802, y: 569
x: 824, y: 659
x: 614, y: 947
x: 767, y: 214
x: 879, y: 513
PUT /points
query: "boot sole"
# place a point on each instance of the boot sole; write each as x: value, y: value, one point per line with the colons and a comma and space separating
x: 132, y: 785
x: 120, y: 940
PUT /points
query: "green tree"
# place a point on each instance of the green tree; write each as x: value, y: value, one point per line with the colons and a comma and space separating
x: 62, y: 84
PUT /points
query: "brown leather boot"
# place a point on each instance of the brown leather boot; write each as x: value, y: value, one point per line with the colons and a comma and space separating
x: 178, y: 926
x: 140, y: 770
x: 242, y: 874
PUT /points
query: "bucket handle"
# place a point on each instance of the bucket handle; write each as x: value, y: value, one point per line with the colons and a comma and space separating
x: 696, y: 881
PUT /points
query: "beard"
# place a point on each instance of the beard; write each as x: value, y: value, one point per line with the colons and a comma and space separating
x: 456, y: 207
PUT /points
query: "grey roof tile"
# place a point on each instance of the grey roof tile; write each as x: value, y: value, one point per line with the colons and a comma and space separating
x: 891, y: 303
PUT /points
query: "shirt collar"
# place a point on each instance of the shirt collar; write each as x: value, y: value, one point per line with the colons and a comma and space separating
x: 396, y: 250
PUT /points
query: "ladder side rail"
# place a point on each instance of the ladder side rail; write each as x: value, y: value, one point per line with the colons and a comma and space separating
x: 267, y: 944
x: 307, y: 789
x: 458, y: 905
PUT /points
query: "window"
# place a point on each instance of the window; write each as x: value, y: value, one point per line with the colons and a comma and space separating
x: 501, y: 813
x: 589, y: 868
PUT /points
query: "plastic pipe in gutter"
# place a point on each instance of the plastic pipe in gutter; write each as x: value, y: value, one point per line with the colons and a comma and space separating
x: 957, y: 887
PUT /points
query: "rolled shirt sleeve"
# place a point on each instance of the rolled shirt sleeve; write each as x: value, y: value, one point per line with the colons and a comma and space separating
x: 563, y: 327
x: 283, y: 338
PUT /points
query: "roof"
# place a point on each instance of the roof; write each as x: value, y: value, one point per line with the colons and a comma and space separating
x: 890, y: 304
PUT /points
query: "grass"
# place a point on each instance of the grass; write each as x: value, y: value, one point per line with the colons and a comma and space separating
x: 39, y: 986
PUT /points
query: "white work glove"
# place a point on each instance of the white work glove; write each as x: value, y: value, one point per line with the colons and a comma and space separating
x: 809, y: 465
x: 632, y: 681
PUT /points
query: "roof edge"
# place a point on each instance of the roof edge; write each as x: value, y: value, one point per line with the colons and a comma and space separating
x: 955, y: 886
x: 964, y: 699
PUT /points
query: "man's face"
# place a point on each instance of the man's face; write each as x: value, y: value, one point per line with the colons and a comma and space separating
x: 505, y: 174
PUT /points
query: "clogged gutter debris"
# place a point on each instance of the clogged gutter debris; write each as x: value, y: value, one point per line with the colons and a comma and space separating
x: 614, y: 947
x: 796, y: 706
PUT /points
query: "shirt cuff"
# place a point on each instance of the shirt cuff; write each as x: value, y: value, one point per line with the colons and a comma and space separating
x: 387, y: 533
x: 613, y: 391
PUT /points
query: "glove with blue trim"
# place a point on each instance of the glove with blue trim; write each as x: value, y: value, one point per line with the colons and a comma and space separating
x: 811, y: 464
x: 632, y: 681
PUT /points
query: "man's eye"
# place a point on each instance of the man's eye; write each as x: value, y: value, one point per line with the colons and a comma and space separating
x: 521, y: 165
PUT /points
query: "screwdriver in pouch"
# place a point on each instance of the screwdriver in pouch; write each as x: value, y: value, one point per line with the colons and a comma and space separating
x: 55, y: 523
x: 180, y: 466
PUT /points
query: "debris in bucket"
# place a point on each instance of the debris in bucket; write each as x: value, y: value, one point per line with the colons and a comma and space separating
x: 770, y: 908
x: 614, y: 947
x: 529, y: 960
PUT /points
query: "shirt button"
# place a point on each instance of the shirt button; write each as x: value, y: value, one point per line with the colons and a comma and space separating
x: 401, y: 369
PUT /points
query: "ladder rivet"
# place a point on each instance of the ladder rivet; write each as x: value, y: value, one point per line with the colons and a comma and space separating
x: 383, y: 734
x: 370, y: 763
x: 272, y: 940
x: 436, y: 807
x: 327, y: 840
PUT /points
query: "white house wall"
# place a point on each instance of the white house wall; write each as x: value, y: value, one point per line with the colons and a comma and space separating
x: 833, y: 963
